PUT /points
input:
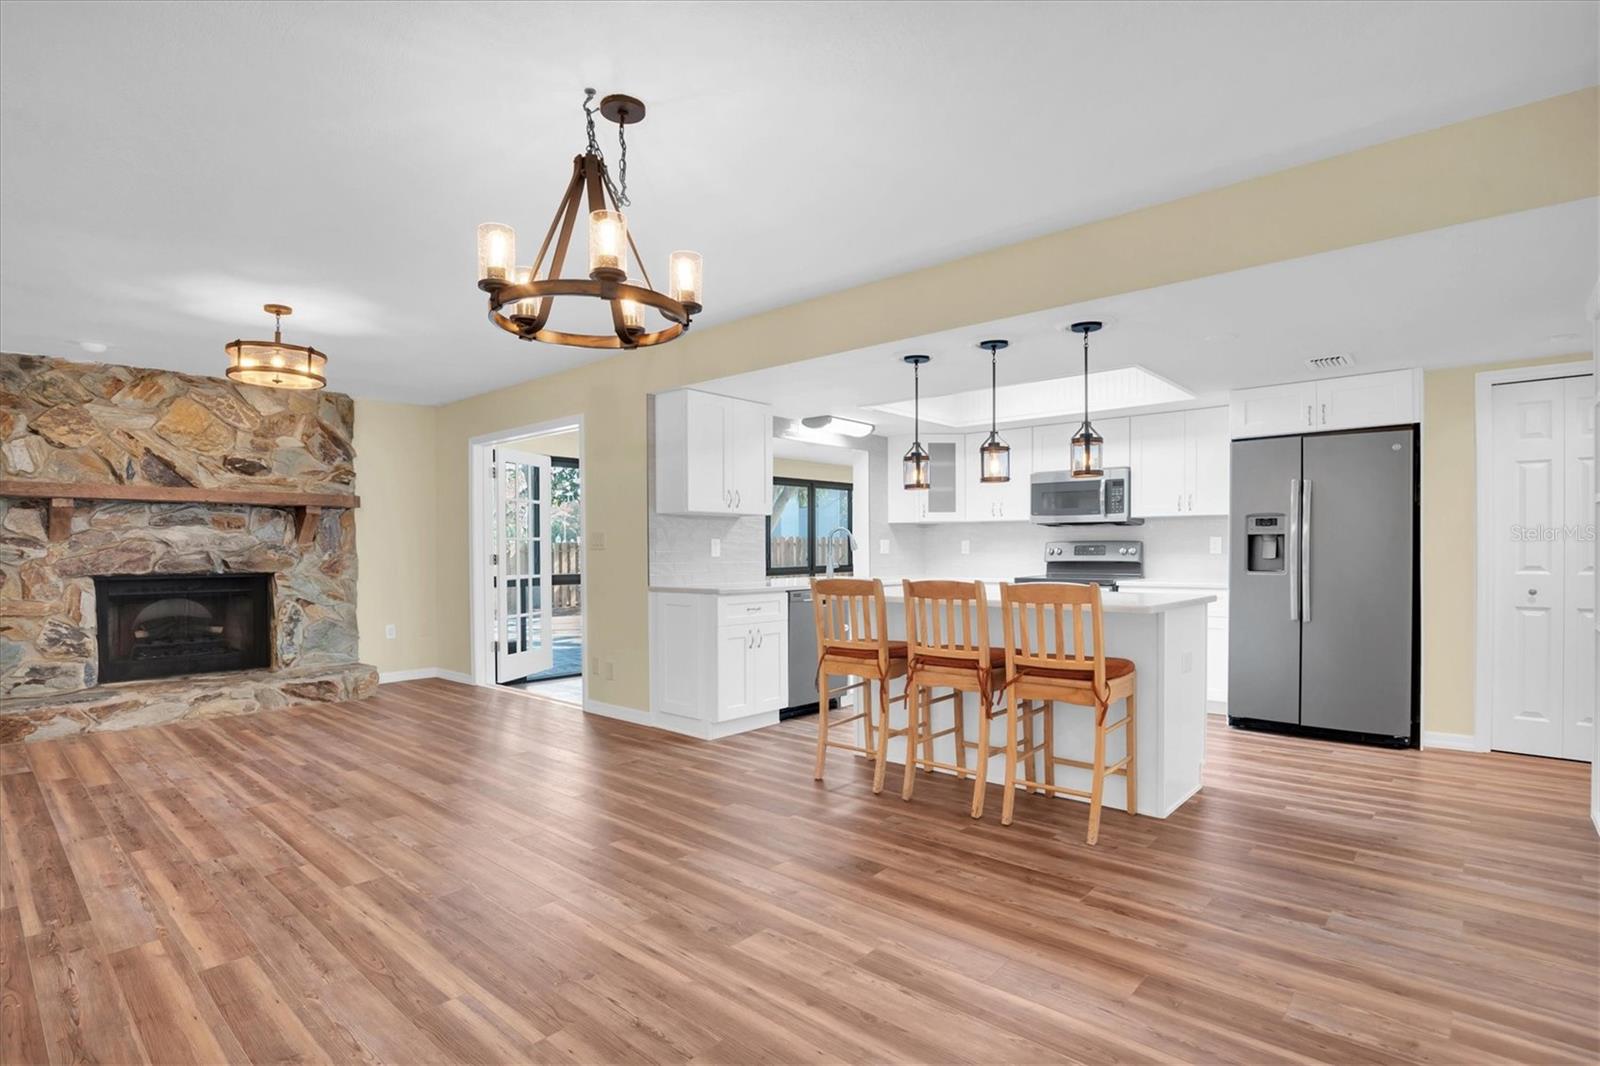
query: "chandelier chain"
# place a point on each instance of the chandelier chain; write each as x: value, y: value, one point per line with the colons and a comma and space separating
x: 620, y: 196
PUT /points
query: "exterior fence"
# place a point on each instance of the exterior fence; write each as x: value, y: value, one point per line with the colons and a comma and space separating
x: 564, y: 557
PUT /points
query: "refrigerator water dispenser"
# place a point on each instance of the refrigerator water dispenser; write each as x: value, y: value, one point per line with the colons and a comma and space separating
x: 1264, y: 543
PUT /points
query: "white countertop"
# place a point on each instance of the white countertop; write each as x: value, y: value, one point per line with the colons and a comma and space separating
x: 1133, y: 601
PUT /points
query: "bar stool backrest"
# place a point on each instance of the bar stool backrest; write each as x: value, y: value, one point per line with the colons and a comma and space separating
x: 1039, y: 617
x: 948, y: 622
x: 852, y: 619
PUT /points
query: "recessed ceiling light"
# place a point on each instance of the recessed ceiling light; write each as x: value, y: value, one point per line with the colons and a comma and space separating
x: 1037, y: 401
x: 847, y: 427
x: 93, y: 347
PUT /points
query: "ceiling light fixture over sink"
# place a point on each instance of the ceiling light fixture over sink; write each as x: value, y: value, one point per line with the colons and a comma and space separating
x: 994, y: 457
x: 916, y: 462
x: 845, y: 427
x: 1087, y: 445
x: 528, y: 292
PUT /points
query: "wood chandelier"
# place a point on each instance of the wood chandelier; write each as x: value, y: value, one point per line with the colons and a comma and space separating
x: 521, y: 297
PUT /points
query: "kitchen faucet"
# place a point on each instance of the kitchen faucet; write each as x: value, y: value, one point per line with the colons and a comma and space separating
x: 828, y: 543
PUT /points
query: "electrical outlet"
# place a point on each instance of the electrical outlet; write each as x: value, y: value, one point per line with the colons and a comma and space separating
x: 1216, y: 545
x: 1186, y: 663
x: 389, y: 630
x: 883, y: 546
x: 594, y: 666
x: 611, y: 670
x: 716, y: 547
x: 966, y: 547
x: 597, y: 542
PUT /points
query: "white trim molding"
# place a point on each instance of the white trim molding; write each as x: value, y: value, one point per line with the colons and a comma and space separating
x: 1450, y: 741
x: 389, y: 677
x: 1483, y: 650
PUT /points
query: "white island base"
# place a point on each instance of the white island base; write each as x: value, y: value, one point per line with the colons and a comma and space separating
x: 1165, y: 636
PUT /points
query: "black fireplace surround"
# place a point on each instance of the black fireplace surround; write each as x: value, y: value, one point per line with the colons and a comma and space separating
x: 166, y: 625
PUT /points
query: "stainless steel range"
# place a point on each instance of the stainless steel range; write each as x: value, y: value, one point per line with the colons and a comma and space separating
x: 1100, y: 562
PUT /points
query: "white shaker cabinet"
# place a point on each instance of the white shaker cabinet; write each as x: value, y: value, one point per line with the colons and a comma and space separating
x: 1389, y: 398
x: 1180, y: 463
x: 719, y: 664
x: 713, y: 454
x: 1005, y: 501
x: 1052, y: 444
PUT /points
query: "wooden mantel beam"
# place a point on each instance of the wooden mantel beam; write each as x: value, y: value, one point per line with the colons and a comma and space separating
x: 307, y: 506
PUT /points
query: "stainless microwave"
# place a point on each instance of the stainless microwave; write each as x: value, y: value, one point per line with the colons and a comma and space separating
x: 1059, y: 499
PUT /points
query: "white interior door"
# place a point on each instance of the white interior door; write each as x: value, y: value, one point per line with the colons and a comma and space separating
x: 1578, y: 738
x: 521, y: 564
x: 1529, y: 484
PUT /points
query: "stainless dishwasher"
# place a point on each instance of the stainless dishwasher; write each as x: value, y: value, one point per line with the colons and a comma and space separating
x: 802, y: 655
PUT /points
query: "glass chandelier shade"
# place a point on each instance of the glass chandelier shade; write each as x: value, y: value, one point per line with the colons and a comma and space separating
x: 1087, y: 445
x: 273, y: 363
x: 684, y: 271
x: 497, y: 251
x: 608, y: 245
x: 917, y: 466
x: 994, y: 457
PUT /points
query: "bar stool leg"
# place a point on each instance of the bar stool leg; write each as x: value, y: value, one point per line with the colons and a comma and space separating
x: 960, y: 734
x: 1029, y: 771
x: 881, y: 752
x: 980, y: 780
x: 1096, y: 789
x: 1009, y: 800
x: 866, y: 714
x: 1049, y: 717
x: 926, y: 726
x: 1133, y: 777
x: 913, y: 729
x: 822, y: 726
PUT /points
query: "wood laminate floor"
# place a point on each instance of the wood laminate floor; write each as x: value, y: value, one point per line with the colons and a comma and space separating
x: 442, y: 873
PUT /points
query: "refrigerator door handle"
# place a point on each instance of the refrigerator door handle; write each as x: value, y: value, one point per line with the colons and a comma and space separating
x: 1294, y: 549
x: 1305, y: 551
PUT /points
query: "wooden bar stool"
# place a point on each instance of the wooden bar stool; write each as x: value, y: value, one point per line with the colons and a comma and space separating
x: 947, y: 636
x: 852, y: 641
x: 1050, y: 671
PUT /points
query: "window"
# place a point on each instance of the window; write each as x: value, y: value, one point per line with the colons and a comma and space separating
x: 803, y: 514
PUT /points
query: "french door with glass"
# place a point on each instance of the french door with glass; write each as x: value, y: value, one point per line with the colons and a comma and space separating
x: 521, y: 564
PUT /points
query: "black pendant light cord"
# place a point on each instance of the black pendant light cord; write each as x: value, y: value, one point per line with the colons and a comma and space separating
x: 916, y: 403
x: 1086, y: 378
x: 994, y: 409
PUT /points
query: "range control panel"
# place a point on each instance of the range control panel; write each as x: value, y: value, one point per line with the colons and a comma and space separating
x: 1120, y: 550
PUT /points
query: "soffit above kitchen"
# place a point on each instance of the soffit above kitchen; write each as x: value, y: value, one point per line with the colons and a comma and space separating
x: 1510, y: 287
x: 803, y: 148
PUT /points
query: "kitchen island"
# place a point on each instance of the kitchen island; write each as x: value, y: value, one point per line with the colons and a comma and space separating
x: 1164, y: 633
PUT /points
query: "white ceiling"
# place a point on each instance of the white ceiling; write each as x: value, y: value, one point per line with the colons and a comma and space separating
x: 1511, y: 287
x: 167, y: 168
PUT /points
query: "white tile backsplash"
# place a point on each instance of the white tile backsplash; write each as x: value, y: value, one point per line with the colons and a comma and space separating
x: 1175, y: 549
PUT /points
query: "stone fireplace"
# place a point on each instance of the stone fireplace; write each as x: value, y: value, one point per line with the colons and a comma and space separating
x: 171, y: 547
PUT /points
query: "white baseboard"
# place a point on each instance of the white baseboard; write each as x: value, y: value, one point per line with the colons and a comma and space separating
x: 672, y: 723
x: 1450, y: 741
x: 386, y: 677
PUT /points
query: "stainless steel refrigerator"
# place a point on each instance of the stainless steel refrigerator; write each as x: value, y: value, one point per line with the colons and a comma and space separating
x: 1323, y: 585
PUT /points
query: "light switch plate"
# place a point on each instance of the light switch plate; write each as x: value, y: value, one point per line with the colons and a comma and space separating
x: 388, y: 631
x: 1216, y: 545
x: 716, y: 547
x: 966, y: 547
x: 883, y: 546
x: 597, y: 542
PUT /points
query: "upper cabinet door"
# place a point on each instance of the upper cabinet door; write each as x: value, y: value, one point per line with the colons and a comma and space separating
x: 1388, y: 399
x: 1158, y: 464
x: 947, y: 491
x: 1117, y: 449
x: 1206, y: 452
x: 1273, y: 411
x: 749, y: 458
x: 999, y: 501
x: 713, y: 454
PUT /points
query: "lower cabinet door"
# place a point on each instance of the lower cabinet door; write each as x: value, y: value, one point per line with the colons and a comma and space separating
x: 768, y: 669
x: 734, y: 647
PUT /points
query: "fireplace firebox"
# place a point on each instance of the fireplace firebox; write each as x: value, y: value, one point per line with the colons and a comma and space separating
x: 166, y: 625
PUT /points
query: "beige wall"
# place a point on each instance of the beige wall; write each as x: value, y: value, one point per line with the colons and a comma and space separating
x: 1449, y: 542
x: 1534, y: 156
x: 804, y: 468
x: 397, y: 534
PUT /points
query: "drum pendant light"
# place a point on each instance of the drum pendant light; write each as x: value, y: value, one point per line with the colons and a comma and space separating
x: 1087, y: 445
x: 994, y: 457
x: 916, y: 462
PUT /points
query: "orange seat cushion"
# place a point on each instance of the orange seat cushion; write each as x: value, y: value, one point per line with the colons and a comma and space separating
x: 997, y: 661
x: 1115, y: 668
x: 897, y: 650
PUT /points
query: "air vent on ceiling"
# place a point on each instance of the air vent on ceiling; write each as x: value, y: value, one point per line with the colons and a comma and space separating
x: 1330, y: 362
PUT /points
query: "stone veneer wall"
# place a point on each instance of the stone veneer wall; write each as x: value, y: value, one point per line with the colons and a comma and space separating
x: 89, y: 422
